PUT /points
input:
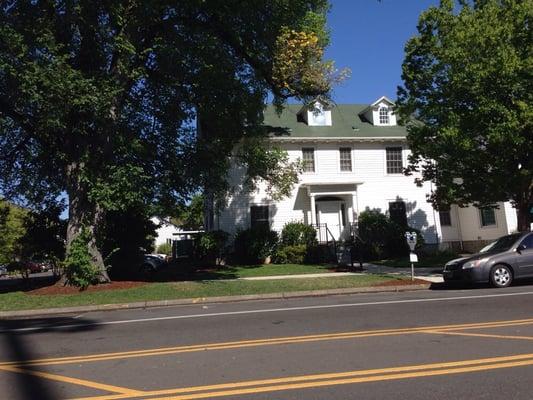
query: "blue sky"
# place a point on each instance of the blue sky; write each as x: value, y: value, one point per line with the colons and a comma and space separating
x: 368, y: 36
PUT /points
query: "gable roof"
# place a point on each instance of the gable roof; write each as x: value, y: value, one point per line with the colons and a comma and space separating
x: 346, y: 123
x: 384, y: 99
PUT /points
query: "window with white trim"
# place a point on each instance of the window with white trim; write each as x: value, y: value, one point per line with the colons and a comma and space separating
x: 259, y: 217
x: 394, y: 160
x: 308, y: 157
x: 345, y: 157
x: 384, y: 116
x: 487, y: 216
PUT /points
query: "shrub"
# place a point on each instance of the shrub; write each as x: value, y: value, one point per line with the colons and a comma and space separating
x: 255, y: 244
x: 290, y: 254
x: 210, y: 245
x: 79, y: 268
x: 164, y: 248
x: 298, y: 233
x: 382, y: 237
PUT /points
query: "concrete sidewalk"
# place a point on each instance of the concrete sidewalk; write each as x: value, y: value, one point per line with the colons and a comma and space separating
x: 425, y: 274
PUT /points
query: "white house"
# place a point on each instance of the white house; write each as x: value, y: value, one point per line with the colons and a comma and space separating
x: 166, y: 231
x: 353, y: 158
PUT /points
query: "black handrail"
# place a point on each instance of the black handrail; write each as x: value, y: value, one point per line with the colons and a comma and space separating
x: 329, y: 238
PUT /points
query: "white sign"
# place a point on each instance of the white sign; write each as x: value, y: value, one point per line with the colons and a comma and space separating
x: 413, y: 257
x: 411, y: 239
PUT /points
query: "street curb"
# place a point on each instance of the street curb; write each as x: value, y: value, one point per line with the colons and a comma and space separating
x: 206, y: 300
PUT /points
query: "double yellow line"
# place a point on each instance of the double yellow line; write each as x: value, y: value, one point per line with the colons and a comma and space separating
x: 287, y: 383
x: 329, y: 379
x: 440, y: 329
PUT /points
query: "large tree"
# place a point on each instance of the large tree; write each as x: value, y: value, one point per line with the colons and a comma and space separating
x: 467, y: 100
x: 100, y: 99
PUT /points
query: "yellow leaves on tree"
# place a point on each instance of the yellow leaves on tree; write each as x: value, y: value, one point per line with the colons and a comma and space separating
x: 298, y: 67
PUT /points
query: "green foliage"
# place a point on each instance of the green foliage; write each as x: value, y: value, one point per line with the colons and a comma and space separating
x: 164, y: 248
x: 191, y: 215
x: 382, y: 237
x: 255, y: 244
x: 11, y: 230
x: 100, y: 100
x: 298, y: 244
x: 290, y: 254
x: 211, y: 245
x: 80, y: 270
x: 270, y: 165
x: 45, y: 234
x: 467, y: 101
x: 298, y: 233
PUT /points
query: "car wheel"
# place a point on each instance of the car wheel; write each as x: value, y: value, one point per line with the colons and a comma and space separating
x: 501, y: 276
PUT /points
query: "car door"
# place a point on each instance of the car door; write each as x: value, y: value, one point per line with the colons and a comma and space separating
x: 524, y: 256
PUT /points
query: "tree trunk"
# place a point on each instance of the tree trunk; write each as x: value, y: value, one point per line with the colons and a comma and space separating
x: 522, y: 214
x: 84, y: 214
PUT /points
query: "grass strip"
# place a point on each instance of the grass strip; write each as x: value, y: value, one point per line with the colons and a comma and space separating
x: 178, y: 290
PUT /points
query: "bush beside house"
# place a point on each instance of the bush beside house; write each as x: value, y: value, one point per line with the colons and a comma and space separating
x: 297, y: 245
x: 255, y: 245
x: 382, y: 237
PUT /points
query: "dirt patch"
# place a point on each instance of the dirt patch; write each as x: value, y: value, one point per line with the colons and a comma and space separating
x: 402, y: 282
x: 58, y: 288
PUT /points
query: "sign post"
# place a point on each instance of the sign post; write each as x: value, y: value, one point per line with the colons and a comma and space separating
x: 411, y: 241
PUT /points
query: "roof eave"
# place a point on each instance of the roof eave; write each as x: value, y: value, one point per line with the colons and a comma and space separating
x: 290, y: 139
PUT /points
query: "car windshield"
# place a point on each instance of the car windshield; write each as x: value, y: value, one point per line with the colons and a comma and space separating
x: 487, y: 247
x: 504, y: 243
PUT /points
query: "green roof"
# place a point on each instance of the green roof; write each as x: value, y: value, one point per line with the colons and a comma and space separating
x: 346, y: 123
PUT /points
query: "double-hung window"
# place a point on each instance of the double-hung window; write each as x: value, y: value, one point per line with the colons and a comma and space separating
x: 383, y: 116
x: 488, y: 216
x: 345, y: 157
x: 394, y: 160
x: 259, y: 217
x: 308, y: 157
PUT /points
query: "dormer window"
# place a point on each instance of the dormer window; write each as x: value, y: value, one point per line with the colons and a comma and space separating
x: 384, y: 116
x: 317, y: 118
x: 380, y: 113
x: 316, y: 115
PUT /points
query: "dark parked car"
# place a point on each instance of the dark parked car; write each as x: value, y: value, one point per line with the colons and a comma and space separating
x: 509, y: 258
x: 152, y: 263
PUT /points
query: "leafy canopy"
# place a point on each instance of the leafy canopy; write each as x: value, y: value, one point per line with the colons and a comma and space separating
x: 108, y: 94
x: 467, y: 100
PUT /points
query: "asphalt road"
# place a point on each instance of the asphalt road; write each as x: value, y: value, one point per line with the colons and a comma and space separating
x: 441, y: 344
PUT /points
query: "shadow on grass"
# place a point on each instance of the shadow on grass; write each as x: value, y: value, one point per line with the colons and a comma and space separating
x: 20, y: 338
x: 26, y: 284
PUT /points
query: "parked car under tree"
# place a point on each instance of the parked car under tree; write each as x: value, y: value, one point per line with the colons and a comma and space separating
x: 509, y: 258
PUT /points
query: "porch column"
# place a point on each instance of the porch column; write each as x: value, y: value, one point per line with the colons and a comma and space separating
x: 355, y: 206
x: 313, y: 209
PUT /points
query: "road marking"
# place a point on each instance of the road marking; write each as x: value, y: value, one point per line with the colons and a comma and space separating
x: 74, y: 381
x: 330, y: 379
x: 483, y: 335
x: 262, y: 311
x: 264, y: 342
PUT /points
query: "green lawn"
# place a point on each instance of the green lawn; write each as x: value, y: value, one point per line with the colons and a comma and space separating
x: 176, y: 290
x: 424, y: 261
x: 247, y: 271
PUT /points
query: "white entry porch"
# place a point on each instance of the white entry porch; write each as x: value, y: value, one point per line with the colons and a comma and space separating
x: 334, y: 209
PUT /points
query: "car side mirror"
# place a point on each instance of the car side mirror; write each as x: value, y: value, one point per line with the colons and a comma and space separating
x: 520, y: 248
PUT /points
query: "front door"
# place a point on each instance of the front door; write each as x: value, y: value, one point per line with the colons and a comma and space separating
x: 329, y: 213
